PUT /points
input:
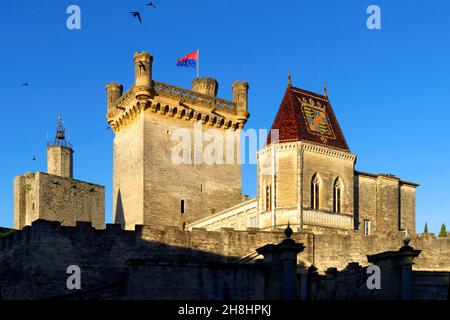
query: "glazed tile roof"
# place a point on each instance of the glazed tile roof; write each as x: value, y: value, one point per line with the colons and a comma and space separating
x: 308, y: 116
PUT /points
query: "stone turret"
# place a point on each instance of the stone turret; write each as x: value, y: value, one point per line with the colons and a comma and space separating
x: 143, y: 74
x: 240, y: 97
x: 114, y: 91
x: 60, y: 154
x: 206, y: 86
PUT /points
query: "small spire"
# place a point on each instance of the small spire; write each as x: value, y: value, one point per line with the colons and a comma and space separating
x: 289, y: 78
x: 325, y: 94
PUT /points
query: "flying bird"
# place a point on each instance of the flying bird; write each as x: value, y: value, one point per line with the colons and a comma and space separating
x: 150, y: 4
x: 141, y: 65
x: 136, y: 14
x: 25, y: 84
x: 34, y: 159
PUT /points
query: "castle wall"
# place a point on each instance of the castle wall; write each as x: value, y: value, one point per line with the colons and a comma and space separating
x: 128, y: 176
x: 388, y: 204
x: 408, y: 207
x: 386, y: 201
x: 216, y: 281
x: 205, y: 188
x: 365, y: 202
x: 41, y: 254
x: 287, y: 180
x: 54, y: 198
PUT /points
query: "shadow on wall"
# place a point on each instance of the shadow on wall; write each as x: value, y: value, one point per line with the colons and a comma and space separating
x: 120, y: 216
x: 119, y: 264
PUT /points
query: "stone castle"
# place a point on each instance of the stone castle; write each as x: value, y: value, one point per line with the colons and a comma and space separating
x: 181, y: 213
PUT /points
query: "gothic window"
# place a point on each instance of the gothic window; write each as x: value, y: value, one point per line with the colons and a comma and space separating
x: 182, y: 206
x: 315, y: 192
x: 337, y: 196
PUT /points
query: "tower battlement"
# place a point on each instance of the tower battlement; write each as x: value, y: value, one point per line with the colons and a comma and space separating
x: 200, y: 103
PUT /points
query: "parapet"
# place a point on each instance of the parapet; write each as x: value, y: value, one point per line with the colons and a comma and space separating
x: 207, y: 86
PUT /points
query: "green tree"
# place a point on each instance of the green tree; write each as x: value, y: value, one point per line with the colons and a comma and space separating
x: 443, y: 232
x: 425, y: 230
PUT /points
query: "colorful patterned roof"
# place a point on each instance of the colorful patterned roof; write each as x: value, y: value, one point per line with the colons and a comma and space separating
x: 308, y: 116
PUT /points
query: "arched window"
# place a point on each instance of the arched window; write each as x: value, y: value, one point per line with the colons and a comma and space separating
x: 268, y: 198
x: 315, y: 192
x: 337, y: 196
x: 182, y: 206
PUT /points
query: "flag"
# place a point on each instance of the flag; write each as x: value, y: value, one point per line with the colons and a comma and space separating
x: 189, y: 60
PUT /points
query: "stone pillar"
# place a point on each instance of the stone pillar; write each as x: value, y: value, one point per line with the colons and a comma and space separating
x: 396, y: 272
x: 240, y: 97
x: 143, y: 74
x: 282, y: 261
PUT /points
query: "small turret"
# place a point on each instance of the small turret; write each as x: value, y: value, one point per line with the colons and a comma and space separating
x: 60, y: 154
x: 240, y: 97
x: 114, y: 91
x: 143, y: 73
x: 206, y: 86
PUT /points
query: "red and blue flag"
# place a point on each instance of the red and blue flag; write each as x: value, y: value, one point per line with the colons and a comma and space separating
x: 189, y: 60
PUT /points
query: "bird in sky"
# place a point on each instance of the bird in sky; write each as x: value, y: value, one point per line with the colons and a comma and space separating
x: 136, y: 14
x: 34, y: 159
x: 150, y: 4
x: 25, y: 84
x: 141, y: 65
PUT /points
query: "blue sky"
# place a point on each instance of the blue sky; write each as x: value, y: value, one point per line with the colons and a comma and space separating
x: 389, y: 88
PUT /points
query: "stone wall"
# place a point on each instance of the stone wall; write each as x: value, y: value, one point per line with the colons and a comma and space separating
x: 205, y: 188
x: 33, y: 261
x: 55, y: 198
x: 386, y: 201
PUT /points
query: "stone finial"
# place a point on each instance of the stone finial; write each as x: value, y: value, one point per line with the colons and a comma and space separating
x: 325, y: 93
x: 289, y: 78
x: 288, y: 231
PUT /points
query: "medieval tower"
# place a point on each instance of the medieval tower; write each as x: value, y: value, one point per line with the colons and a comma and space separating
x: 150, y: 121
x: 56, y: 195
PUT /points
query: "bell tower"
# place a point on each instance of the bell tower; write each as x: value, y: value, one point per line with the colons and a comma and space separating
x: 60, y: 154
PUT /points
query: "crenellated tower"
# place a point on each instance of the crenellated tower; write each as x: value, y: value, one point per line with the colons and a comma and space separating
x: 167, y: 172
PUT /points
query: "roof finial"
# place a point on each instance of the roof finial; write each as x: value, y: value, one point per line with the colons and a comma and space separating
x: 325, y: 94
x: 289, y: 78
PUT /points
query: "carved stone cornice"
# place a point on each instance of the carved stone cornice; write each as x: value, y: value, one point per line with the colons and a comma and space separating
x: 176, y: 102
x: 309, y: 147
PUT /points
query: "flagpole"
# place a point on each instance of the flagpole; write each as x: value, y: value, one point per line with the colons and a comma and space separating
x: 198, y: 63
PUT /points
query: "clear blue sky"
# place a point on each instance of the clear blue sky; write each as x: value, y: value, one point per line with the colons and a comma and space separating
x: 389, y: 87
